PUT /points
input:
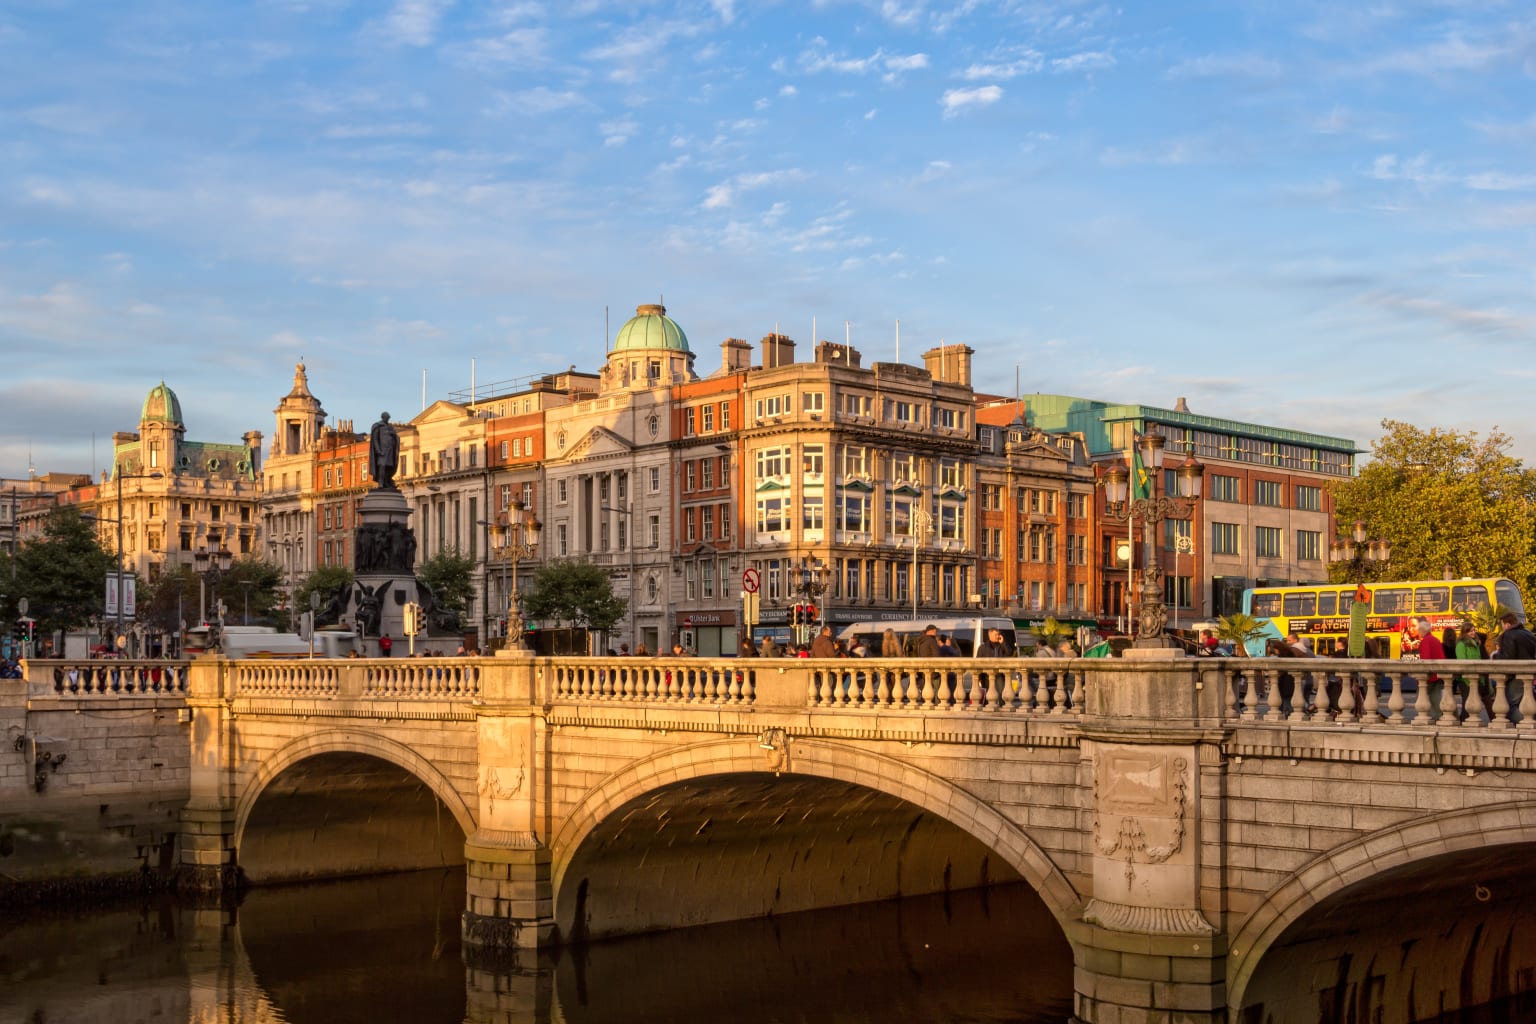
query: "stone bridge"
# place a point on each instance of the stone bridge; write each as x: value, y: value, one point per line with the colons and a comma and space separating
x: 1179, y: 818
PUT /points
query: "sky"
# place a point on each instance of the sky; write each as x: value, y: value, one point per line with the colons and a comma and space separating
x: 1312, y: 215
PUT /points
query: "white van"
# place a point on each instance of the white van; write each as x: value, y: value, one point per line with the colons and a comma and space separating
x: 266, y: 642
x: 968, y: 633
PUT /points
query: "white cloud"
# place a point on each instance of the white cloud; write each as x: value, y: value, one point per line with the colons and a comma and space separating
x: 818, y: 58
x: 956, y: 101
x: 934, y: 170
x: 1498, y: 181
x: 1228, y: 65
x: 617, y: 133
x: 1090, y: 61
x: 726, y: 9
x: 411, y: 22
x: 915, y: 62
x: 719, y: 197
x: 520, y: 48
x: 639, y: 47
x: 1028, y: 64
x: 788, y: 90
x: 537, y: 101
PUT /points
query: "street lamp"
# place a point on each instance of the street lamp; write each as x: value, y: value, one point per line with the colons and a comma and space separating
x: 210, y: 566
x: 1151, y: 508
x: 1357, y: 552
x: 811, y: 581
x: 512, y: 549
x: 117, y: 631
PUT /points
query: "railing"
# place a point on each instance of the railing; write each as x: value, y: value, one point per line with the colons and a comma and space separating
x: 1494, y: 695
x: 420, y: 678
x: 453, y: 679
x: 98, y: 677
x: 314, y: 679
x: 669, y: 680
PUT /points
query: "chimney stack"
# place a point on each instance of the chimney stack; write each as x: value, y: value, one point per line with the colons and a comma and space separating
x: 735, y: 354
x: 950, y: 363
x: 778, y: 350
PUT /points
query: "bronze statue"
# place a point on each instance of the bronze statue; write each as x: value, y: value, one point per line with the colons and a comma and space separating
x: 383, y: 453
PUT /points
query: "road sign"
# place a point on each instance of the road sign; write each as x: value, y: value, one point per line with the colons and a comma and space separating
x: 750, y: 580
x: 688, y: 622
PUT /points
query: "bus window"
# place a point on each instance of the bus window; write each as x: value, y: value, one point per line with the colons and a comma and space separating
x: 1468, y: 598
x: 1328, y: 603
x: 1508, y: 595
x: 1394, y: 601
x: 1266, y: 606
x: 1304, y: 603
x: 1346, y: 601
x: 1431, y: 599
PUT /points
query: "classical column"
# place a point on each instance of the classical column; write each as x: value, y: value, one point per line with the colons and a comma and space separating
x: 510, y: 900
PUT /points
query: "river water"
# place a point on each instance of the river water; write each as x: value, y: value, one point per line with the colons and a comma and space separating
x: 387, y: 949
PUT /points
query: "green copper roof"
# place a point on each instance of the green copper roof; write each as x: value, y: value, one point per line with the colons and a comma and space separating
x: 1092, y: 418
x: 161, y: 406
x: 651, y: 328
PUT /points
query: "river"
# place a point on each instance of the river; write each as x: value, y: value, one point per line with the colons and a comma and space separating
x: 387, y: 949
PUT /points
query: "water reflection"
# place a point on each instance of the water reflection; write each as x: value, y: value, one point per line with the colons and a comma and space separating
x: 387, y: 949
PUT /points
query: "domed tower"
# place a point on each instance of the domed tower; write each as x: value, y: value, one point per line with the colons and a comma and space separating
x: 649, y: 351
x: 299, y: 418
x: 161, y: 431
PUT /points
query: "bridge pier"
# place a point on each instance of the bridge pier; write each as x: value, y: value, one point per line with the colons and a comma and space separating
x: 510, y: 900
x: 207, y: 858
x: 1148, y: 947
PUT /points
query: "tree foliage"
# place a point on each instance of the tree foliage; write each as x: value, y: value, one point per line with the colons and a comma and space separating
x: 1239, y: 628
x: 451, y: 577
x: 324, y: 580
x: 1446, y: 500
x: 62, y: 574
x: 575, y: 592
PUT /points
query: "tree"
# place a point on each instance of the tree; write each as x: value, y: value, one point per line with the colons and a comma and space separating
x: 63, y: 574
x: 577, y: 592
x: 449, y: 575
x: 169, y: 600
x: 324, y: 580
x: 1447, y: 501
x: 1239, y: 628
x: 253, y: 583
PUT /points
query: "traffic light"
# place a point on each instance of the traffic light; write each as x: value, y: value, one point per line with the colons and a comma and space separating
x: 24, y: 629
x: 410, y: 618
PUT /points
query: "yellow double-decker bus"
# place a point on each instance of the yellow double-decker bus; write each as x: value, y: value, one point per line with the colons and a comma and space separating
x: 1321, y: 610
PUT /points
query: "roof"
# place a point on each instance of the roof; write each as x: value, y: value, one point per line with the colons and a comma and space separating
x: 161, y: 406
x: 1091, y: 418
x: 650, y: 328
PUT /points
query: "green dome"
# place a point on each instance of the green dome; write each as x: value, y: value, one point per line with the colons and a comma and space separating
x: 651, y: 328
x: 161, y: 406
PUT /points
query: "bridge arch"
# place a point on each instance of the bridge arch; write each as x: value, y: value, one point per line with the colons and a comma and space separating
x: 825, y: 760
x: 337, y: 741
x: 1399, y: 845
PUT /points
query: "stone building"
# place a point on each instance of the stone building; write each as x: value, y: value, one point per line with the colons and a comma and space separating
x: 287, y: 494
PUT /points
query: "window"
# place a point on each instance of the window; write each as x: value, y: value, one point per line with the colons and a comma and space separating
x: 327, y: 478
x: 1309, y: 499
x: 708, y: 580
x: 1173, y: 529
x: 813, y: 460
x: 655, y: 479
x: 1224, y: 538
x: 856, y: 405
x: 991, y: 497
x: 1177, y: 591
x: 1309, y: 545
x: 813, y: 512
x: 689, y: 526
x: 901, y: 412
x: 690, y: 575
x: 951, y: 473
x: 688, y: 423
x: 1224, y: 488
x: 707, y: 521
x: 903, y: 469
x: 1266, y: 492
x: 1077, y: 506
x: 517, y: 447
x: 949, y: 419
x: 898, y: 509
x: 602, y: 536
x: 707, y: 474
x: 688, y: 475
x: 770, y: 515
x: 655, y: 528
x: 1077, y: 549
x: 814, y: 401
x: 560, y: 492
x: 503, y: 451
x: 725, y: 415
x: 528, y: 495
x: 725, y: 522
x: 528, y: 444
x: 855, y: 460
x: 562, y: 540
x: 1266, y: 541
x: 772, y: 462
x: 851, y: 573
x: 707, y: 419
x: 853, y: 512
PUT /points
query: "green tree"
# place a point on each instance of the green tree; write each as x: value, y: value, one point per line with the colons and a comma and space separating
x: 169, y: 600
x: 1238, y: 628
x: 449, y: 574
x: 324, y: 580
x: 63, y: 573
x: 574, y: 592
x: 254, y: 584
x: 1446, y: 500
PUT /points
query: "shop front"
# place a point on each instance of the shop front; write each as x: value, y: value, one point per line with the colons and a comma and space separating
x: 709, y: 634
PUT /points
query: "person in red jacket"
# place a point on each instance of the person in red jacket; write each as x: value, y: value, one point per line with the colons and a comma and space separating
x: 385, y: 645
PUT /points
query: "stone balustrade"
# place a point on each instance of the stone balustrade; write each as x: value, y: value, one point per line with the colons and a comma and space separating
x: 98, y: 677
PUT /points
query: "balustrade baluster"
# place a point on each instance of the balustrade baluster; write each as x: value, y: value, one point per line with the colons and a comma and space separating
x: 993, y: 688
x: 883, y: 690
x: 1448, y: 701
x: 1500, y: 717
x: 1526, y: 706
x: 1370, y: 690
x: 1396, y: 701
x: 1421, y: 704
x: 1472, y: 705
x: 926, y: 698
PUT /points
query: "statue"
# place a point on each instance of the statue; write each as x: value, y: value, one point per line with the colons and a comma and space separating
x: 383, y: 453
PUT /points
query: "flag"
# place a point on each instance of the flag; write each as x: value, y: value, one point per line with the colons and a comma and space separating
x: 1141, y: 480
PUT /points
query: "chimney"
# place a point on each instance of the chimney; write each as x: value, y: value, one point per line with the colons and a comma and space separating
x: 950, y: 363
x: 778, y: 350
x: 833, y: 354
x: 735, y: 354
x: 1181, y: 406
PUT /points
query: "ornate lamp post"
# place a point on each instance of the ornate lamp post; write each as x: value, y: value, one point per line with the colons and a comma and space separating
x: 1151, y: 508
x: 509, y: 537
x: 922, y: 523
x: 811, y: 580
x: 1357, y: 552
x: 210, y: 566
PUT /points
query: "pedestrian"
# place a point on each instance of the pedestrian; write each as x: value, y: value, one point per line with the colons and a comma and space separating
x: 1430, y: 649
x: 993, y: 646
x: 947, y: 648
x: 385, y: 645
x: 770, y: 647
x: 1516, y: 643
x: 824, y: 646
x: 890, y: 644
x: 747, y: 650
x: 624, y: 650
x: 859, y: 650
x: 1469, y: 647
x: 641, y: 652
x: 928, y: 642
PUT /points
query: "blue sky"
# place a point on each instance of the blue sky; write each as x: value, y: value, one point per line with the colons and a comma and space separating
x: 1313, y: 215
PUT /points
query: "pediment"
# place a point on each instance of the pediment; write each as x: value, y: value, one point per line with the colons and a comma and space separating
x: 440, y: 411
x: 598, y: 442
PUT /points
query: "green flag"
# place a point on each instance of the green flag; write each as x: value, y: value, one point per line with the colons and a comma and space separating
x: 1357, y: 614
x: 1141, y: 480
